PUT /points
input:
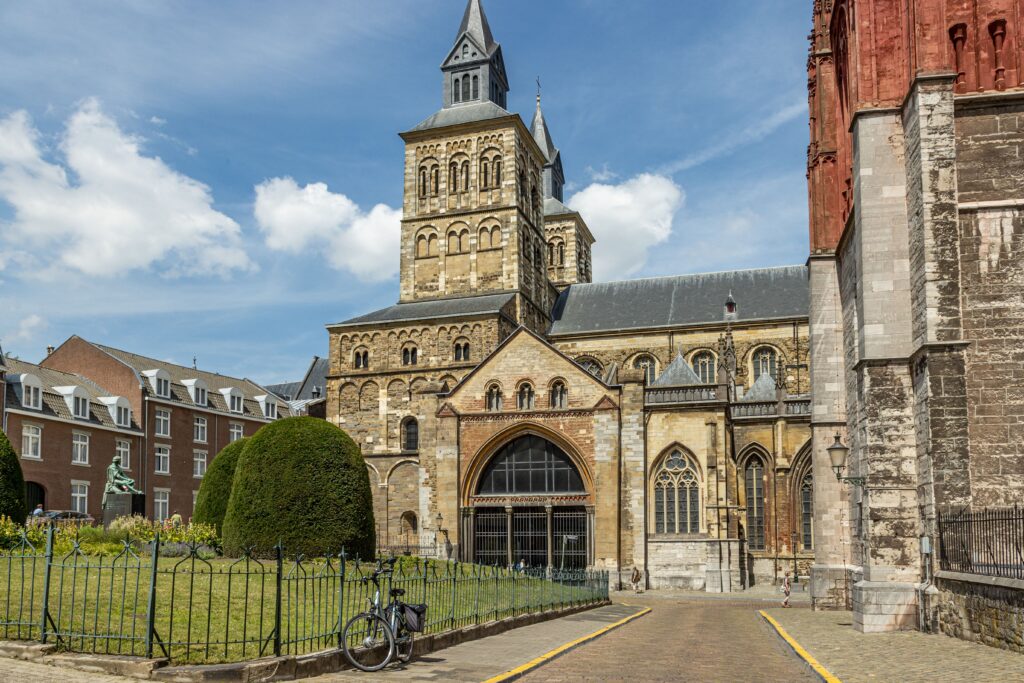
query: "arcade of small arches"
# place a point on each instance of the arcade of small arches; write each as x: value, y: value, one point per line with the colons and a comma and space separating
x: 761, y: 359
x: 460, y: 180
x: 526, y: 396
x: 458, y: 240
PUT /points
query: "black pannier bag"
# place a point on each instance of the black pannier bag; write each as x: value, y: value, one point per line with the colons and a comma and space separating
x: 415, y: 617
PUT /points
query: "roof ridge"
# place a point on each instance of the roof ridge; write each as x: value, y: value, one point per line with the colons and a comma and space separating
x: 110, y: 349
x: 684, y: 275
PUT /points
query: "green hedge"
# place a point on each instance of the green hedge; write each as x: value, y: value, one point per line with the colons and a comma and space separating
x: 12, y: 483
x: 214, y: 492
x: 301, y: 481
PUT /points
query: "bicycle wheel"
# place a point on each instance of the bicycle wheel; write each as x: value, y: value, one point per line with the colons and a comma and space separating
x: 403, y: 644
x: 368, y: 642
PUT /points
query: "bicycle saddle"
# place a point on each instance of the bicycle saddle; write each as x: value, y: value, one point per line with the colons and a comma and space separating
x: 397, y: 592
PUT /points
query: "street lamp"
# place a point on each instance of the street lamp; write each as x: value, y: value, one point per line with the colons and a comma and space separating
x: 447, y: 541
x: 837, y: 454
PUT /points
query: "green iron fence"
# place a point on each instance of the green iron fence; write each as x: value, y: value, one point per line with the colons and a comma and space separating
x: 199, y: 609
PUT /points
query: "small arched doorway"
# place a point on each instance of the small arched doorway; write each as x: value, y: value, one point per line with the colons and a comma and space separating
x: 529, y: 504
x: 35, y: 495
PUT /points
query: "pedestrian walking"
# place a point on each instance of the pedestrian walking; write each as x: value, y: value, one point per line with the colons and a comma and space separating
x: 637, y: 580
x: 787, y: 588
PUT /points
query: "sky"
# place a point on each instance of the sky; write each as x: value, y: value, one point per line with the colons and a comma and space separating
x: 218, y: 181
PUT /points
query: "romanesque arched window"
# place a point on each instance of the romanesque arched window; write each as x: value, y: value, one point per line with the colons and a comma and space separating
x: 525, y: 397
x: 485, y: 174
x: 807, y: 511
x: 361, y: 359
x: 559, y: 396
x: 465, y: 176
x: 409, y: 526
x: 560, y: 254
x: 423, y: 183
x: 435, y: 180
x: 410, y: 434
x: 753, y: 478
x: 465, y: 89
x: 677, y: 495
x: 410, y: 355
x: 647, y: 364
x: 461, y: 350
x: 765, y: 360
x: 476, y: 87
x: 551, y: 253
x: 704, y: 367
x: 494, y: 398
x: 453, y: 177
x: 497, y: 172
x: 453, y: 242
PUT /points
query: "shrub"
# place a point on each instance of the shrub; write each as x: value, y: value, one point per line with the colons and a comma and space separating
x: 301, y: 481
x: 12, y: 483
x: 214, y: 492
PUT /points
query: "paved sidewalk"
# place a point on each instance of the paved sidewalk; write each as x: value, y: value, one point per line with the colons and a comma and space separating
x: 479, y: 660
x: 908, y: 656
x: 17, y: 671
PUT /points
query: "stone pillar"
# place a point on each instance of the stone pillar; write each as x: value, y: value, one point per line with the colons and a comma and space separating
x: 831, y: 572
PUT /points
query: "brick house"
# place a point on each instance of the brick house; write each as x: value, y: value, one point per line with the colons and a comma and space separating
x: 66, y: 429
x: 183, y: 417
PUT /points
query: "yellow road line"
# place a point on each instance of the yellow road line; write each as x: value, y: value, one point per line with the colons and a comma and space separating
x: 557, y: 652
x: 825, y: 674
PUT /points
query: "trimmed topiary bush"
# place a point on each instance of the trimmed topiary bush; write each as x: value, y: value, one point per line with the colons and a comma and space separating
x: 12, y: 483
x: 214, y: 492
x: 301, y: 481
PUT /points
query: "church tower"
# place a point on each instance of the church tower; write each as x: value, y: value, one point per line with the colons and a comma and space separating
x: 569, y: 240
x: 473, y: 214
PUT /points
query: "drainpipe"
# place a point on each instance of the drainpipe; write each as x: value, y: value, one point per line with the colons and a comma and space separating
x: 922, y: 588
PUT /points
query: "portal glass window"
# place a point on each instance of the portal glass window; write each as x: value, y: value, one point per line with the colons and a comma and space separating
x: 530, y: 464
x: 754, y: 480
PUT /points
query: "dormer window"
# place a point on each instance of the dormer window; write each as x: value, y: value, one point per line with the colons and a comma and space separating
x: 268, y: 405
x: 76, y: 400
x: 81, y: 410
x: 197, y: 391
x: 160, y: 381
x: 124, y: 416
x: 233, y: 398
x: 31, y: 392
x: 119, y: 408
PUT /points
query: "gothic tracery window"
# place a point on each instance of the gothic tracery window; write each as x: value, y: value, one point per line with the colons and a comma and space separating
x: 807, y: 511
x: 677, y: 496
x: 704, y: 367
x: 591, y: 366
x: 647, y: 364
x: 765, y: 360
x: 753, y: 478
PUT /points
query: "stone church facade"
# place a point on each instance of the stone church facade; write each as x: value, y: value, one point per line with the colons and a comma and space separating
x: 916, y: 185
x: 511, y: 406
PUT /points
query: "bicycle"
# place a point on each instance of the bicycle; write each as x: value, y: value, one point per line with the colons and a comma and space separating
x: 373, y: 638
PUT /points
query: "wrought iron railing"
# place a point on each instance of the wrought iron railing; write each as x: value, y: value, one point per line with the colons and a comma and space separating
x: 202, y: 609
x: 988, y: 542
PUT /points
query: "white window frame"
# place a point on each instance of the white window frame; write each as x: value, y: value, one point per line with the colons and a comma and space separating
x: 158, y: 453
x: 236, y: 431
x: 163, y: 387
x: 123, y: 449
x: 240, y: 407
x: 162, y: 418
x: 31, y: 395
x: 199, y: 429
x: 82, y: 496
x: 199, y: 464
x: 81, y: 407
x: 36, y: 438
x: 165, y: 503
x: 202, y: 397
x: 79, y: 444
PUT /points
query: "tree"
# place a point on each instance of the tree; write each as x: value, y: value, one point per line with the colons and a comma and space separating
x: 12, y: 483
x: 301, y: 481
x: 215, y: 491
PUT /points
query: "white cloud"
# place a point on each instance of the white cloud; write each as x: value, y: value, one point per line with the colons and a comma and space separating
x: 628, y: 219
x: 106, y: 209
x: 294, y: 219
x: 601, y: 175
x: 729, y: 141
x: 27, y: 328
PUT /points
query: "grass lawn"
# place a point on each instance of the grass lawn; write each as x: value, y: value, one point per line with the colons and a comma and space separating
x: 221, y: 610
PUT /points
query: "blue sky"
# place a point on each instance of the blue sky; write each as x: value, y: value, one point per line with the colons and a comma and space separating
x: 219, y: 180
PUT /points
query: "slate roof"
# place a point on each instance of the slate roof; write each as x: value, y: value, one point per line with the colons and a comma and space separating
x: 214, y: 382
x: 540, y: 132
x: 677, y: 374
x: 285, y: 391
x: 474, y: 22
x: 441, y: 308
x: 762, y: 390
x: 760, y: 294
x: 462, y: 113
x: 553, y: 207
x: 54, y: 405
x: 303, y: 390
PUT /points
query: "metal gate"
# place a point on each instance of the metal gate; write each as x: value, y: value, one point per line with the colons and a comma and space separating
x: 491, y: 537
x: 494, y: 545
x: 570, y: 538
x: 530, y: 536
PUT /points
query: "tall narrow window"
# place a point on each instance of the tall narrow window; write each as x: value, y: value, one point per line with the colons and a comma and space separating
x: 560, y: 254
x: 423, y: 183
x: 526, y: 397
x: 704, y: 367
x: 807, y: 511
x: 465, y: 176
x: 465, y: 89
x: 494, y: 399
x: 559, y: 396
x: 453, y: 177
x: 485, y: 174
x: 677, y: 496
x: 435, y: 178
x: 80, y: 449
x: 764, y: 361
x: 410, y: 434
x: 754, y: 480
x: 124, y: 451
x: 457, y: 91
x: 162, y: 460
x: 199, y: 464
x: 476, y: 87
x: 497, y: 172
x: 163, y: 423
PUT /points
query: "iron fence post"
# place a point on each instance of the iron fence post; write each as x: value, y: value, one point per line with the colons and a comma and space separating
x: 476, y: 599
x: 341, y: 598
x: 277, y: 599
x: 46, y: 584
x: 151, y: 600
x: 455, y: 585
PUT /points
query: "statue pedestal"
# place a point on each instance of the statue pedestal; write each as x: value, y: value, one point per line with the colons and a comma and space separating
x: 118, y: 505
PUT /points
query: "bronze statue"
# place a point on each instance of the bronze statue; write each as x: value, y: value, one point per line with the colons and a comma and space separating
x: 117, y: 481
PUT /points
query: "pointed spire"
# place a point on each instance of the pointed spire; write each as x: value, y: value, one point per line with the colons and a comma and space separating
x: 677, y: 374
x: 539, y: 129
x: 474, y: 22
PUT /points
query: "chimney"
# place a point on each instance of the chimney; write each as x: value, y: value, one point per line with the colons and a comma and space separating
x: 50, y: 350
